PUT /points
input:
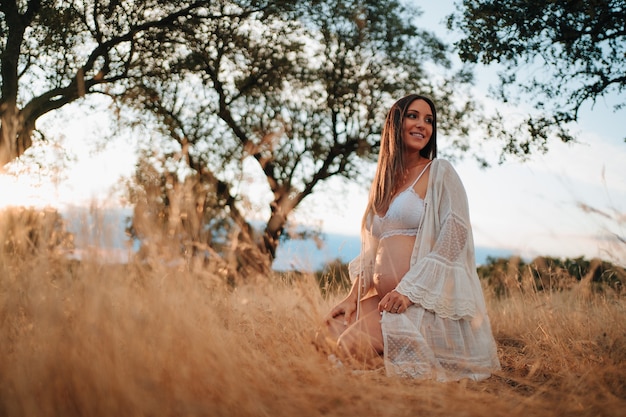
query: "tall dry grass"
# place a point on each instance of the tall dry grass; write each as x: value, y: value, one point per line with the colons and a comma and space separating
x: 173, y: 339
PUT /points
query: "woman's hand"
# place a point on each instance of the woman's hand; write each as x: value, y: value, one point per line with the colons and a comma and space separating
x: 394, y: 302
x: 347, y: 308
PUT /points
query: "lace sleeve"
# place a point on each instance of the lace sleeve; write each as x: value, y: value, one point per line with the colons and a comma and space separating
x: 451, y: 242
x: 440, y: 277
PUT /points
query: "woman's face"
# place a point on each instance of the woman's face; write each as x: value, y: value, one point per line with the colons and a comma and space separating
x: 417, y: 126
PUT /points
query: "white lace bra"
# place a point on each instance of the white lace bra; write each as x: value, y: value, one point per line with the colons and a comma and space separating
x: 403, y: 215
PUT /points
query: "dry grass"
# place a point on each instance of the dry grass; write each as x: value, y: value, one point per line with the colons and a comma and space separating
x: 148, y: 339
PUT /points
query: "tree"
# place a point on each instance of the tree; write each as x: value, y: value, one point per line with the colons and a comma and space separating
x: 557, y: 54
x: 300, y: 88
x: 302, y: 93
x: 55, y: 54
x: 28, y: 232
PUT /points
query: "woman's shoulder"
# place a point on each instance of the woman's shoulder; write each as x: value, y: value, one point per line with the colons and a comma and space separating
x: 442, y: 165
x: 444, y: 171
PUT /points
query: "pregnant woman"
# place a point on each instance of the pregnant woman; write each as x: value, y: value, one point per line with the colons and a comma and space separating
x: 416, y: 300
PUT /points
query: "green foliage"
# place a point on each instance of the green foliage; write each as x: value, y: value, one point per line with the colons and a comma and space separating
x: 555, y: 54
x: 54, y: 53
x: 505, y: 276
x: 333, y: 278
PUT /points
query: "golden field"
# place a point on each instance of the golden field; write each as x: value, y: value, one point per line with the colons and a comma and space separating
x: 156, y: 338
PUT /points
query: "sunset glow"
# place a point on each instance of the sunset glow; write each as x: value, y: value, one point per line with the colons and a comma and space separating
x: 24, y: 191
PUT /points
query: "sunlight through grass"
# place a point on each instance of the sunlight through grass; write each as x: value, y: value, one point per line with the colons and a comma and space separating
x: 87, y: 338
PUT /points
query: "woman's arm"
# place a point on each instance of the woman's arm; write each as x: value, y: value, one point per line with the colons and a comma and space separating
x: 361, y: 268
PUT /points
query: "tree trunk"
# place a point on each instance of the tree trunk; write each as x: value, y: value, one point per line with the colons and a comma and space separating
x: 15, y: 138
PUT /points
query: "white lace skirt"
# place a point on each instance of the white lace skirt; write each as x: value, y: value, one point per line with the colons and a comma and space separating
x: 421, y: 344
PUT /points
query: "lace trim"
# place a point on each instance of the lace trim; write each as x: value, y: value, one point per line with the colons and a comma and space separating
x: 433, y: 302
x: 398, y: 232
x: 422, y: 345
x: 446, y: 290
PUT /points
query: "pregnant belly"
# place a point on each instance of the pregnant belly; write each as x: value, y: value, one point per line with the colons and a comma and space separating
x: 392, y: 262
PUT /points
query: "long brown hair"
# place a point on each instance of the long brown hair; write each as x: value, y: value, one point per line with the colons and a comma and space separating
x: 392, y: 159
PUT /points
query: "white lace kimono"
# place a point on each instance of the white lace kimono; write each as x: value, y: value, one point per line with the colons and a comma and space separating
x: 446, y: 334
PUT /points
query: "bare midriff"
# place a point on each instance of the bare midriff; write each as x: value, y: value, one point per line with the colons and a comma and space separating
x: 393, y: 259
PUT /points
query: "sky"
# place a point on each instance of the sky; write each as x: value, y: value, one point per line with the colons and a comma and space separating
x: 531, y: 208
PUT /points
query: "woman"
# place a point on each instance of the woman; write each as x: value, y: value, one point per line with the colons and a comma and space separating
x: 416, y: 298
